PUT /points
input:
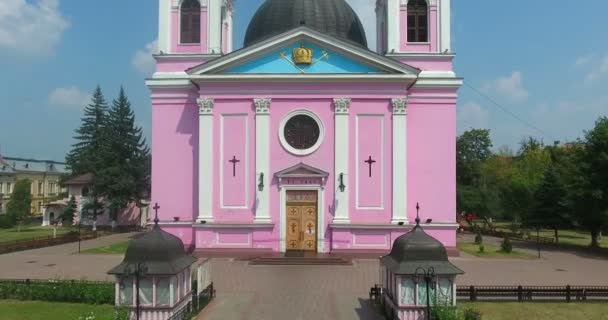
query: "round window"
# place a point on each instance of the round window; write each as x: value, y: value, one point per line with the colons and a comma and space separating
x: 301, y: 133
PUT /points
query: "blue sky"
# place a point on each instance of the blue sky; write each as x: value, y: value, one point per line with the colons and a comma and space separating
x: 545, y: 62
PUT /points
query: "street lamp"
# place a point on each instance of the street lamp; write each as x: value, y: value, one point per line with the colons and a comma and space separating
x: 342, y: 187
x: 427, y: 275
x: 137, y: 270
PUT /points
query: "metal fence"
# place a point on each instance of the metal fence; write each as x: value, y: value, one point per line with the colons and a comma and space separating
x: 41, y: 242
x: 195, y: 306
x: 532, y: 293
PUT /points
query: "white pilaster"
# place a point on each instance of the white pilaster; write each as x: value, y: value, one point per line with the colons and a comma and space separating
x: 341, y: 157
x: 215, y: 26
x: 262, y: 159
x: 205, y: 160
x: 164, y: 26
x: 393, y: 10
x: 445, y: 26
x: 399, y: 160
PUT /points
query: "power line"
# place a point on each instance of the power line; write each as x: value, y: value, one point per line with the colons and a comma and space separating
x: 507, y: 111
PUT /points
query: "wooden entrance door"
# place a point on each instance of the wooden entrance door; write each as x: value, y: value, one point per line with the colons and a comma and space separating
x: 301, y: 221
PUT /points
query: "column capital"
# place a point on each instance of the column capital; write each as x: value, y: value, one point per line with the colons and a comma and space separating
x: 400, y: 105
x: 205, y: 105
x: 342, y: 105
x: 262, y: 105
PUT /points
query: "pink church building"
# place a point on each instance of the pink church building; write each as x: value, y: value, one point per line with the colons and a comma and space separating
x: 304, y: 139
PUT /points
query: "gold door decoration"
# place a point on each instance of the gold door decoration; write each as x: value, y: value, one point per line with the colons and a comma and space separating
x: 302, y: 220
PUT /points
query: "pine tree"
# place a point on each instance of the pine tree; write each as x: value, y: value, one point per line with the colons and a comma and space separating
x: 19, y: 206
x: 549, y: 209
x: 84, y: 156
x: 123, y: 177
x: 67, y: 216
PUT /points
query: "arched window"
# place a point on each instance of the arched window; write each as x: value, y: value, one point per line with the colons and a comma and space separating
x: 417, y: 21
x: 190, y: 22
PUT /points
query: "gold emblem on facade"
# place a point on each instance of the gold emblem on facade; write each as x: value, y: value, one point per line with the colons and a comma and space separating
x: 303, y: 58
x: 302, y: 55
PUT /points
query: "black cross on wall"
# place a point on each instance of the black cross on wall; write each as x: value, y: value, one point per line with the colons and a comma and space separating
x: 370, y: 162
x: 234, y: 161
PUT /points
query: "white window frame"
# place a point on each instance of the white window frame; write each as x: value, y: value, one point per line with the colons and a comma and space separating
x: 293, y: 150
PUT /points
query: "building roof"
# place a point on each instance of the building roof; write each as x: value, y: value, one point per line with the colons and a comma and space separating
x: 332, y: 17
x: 416, y: 249
x: 160, y: 252
x: 22, y: 165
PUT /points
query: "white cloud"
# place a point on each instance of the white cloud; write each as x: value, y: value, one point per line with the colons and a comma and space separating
x: 472, y: 115
x: 599, y: 69
x: 32, y: 28
x: 366, y: 10
x: 142, y: 59
x: 70, y: 97
x: 583, y: 61
x: 510, y: 87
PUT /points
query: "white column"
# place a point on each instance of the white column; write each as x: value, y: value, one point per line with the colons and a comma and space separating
x: 393, y: 25
x: 399, y: 160
x: 164, y: 26
x: 205, y: 160
x: 215, y: 26
x: 262, y: 159
x: 341, y: 157
x: 445, y: 26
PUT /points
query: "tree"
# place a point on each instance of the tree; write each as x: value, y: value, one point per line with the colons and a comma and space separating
x: 523, y: 180
x: 588, y: 185
x: 84, y: 156
x: 549, y: 207
x: 19, y: 206
x: 68, y: 213
x: 123, y: 178
x: 472, y: 149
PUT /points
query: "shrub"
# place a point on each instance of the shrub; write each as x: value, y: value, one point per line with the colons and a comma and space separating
x: 506, y: 245
x: 59, y: 291
x: 482, y: 249
x: 472, y: 314
x: 478, y: 239
x: 445, y: 313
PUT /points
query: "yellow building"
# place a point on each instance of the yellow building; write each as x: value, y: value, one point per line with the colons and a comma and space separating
x: 44, y: 176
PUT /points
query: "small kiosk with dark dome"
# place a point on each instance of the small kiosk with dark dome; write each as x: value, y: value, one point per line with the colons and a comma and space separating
x: 417, y: 274
x: 157, y: 266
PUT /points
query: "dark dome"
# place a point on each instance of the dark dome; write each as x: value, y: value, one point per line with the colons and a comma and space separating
x: 161, y: 252
x: 333, y: 17
x: 418, y: 249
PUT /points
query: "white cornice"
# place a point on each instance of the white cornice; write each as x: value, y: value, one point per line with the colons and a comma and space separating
x: 345, y: 77
x: 233, y: 225
x: 394, y: 226
x: 170, y: 84
x: 422, y: 56
x: 452, y: 83
x: 161, y: 57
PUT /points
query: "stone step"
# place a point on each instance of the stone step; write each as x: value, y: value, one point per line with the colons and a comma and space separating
x: 303, y: 261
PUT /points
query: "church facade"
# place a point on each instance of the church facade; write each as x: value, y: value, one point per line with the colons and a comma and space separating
x: 304, y: 139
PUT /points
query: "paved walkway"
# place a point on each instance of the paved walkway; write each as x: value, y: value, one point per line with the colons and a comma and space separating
x: 307, y: 292
x: 291, y: 292
x: 63, y: 261
x: 340, y: 292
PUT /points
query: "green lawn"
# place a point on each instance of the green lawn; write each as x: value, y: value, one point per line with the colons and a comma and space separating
x: 539, y: 311
x: 569, y: 237
x: 491, y: 251
x: 36, y: 310
x: 30, y: 231
x: 116, y: 248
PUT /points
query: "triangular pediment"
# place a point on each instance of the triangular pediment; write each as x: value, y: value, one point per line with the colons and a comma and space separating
x: 302, y: 170
x: 330, y: 56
